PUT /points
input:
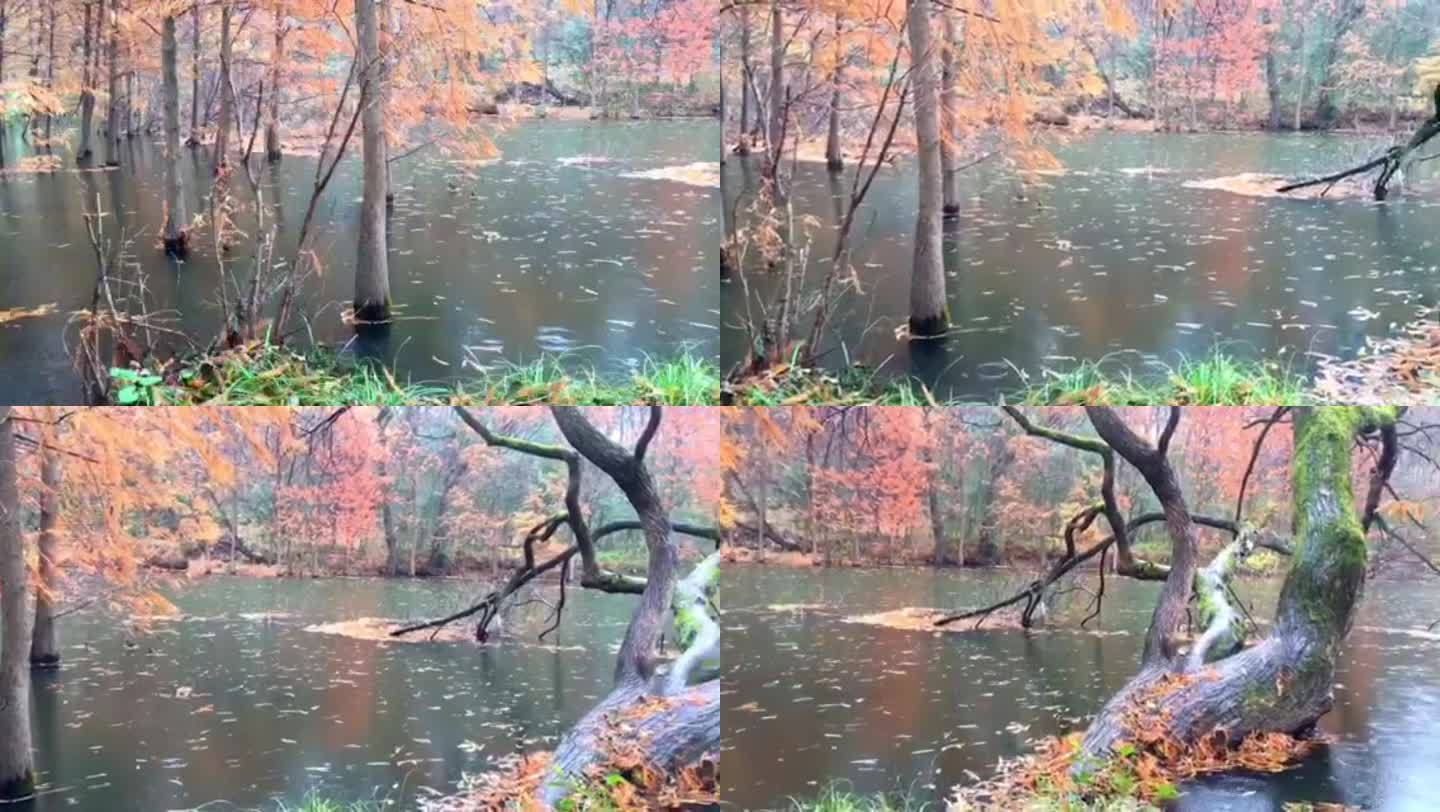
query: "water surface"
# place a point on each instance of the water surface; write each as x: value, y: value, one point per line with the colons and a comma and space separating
x: 226, y: 706
x: 810, y: 699
x: 1115, y: 256
x: 549, y: 250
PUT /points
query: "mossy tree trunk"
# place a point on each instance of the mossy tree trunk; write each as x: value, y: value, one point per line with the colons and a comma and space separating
x: 1284, y: 683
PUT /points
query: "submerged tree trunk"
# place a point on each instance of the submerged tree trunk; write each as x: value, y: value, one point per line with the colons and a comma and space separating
x: 929, y: 313
x: 112, y: 111
x: 173, y: 235
x: 44, y: 650
x: 1285, y: 682
x: 747, y: 100
x: 277, y: 57
x: 17, y: 764
x: 949, y: 111
x: 220, y: 160
x: 85, y: 152
x: 194, y: 139
x: 833, y: 159
x: 372, y: 272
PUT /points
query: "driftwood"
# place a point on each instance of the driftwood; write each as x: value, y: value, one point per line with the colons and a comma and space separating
x: 1389, y: 163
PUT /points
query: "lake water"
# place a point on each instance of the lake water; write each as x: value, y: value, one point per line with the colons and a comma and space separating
x: 810, y: 698
x: 1117, y: 257
x: 549, y: 250
x: 272, y: 710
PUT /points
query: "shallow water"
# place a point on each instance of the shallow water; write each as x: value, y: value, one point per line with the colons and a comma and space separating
x: 1117, y: 257
x: 549, y: 250
x: 272, y: 710
x: 810, y: 699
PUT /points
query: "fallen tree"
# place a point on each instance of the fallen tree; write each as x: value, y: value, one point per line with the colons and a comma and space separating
x: 1389, y: 163
x: 1283, y: 683
x: 653, y: 718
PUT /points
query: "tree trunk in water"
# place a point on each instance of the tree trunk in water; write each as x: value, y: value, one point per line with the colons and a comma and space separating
x: 929, y: 314
x: 277, y: 56
x: 1285, y: 682
x: 50, y: 72
x: 777, y: 85
x: 194, y: 139
x: 833, y: 159
x: 746, y: 99
x: 112, y: 112
x: 17, y: 764
x: 173, y: 235
x: 44, y: 650
x: 87, y: 94
x: 220, y: 159
x: 949, y: 110
x: 372, y: 272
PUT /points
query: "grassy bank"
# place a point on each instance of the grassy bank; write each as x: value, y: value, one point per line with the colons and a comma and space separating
x: 265, y: 375
x: 1216, y: 379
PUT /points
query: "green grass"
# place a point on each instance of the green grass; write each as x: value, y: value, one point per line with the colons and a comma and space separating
x: 263, y: 375
x: 1217, y: 379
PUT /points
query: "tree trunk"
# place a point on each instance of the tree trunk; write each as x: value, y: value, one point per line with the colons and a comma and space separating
x: 112, y: 111
x: 44, y: 650
x: 220, y: 160
x: 987, y: 549
x: 50, y: 72
x: 174, y: 234
x: 87, y: 93
x: 746, y: 97
x: 277, y: 57
x: 372, y: 272
x: 949, y: 111
x: 194, y: 139
x: 777, y: 86
x: 1300, y: 94
x: 1285, y: 682
x: 929, y: 313
x: 833, y: 159
x: 687, y: 726
x: 17, y: 764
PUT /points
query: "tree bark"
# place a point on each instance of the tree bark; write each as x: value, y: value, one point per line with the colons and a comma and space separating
x: 277, y: 58
x: 17, y: 764
x: 194, y: 139
x: 1285, y: 682
x: 746, y: 93
x: 220, y: 160
x: 87, y: 92
x: 949, y: 111
x: 372, y: 272
x: 173, y: 235
x: 44, y: 649
x: 112, y: 112
x: 834, y: 161
x: 929, y: 312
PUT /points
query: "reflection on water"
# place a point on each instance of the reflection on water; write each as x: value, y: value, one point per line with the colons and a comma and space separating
x: 1115, y: 255
x: 810, y: 699
x: 551, y: 249
x: 227, y: 705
